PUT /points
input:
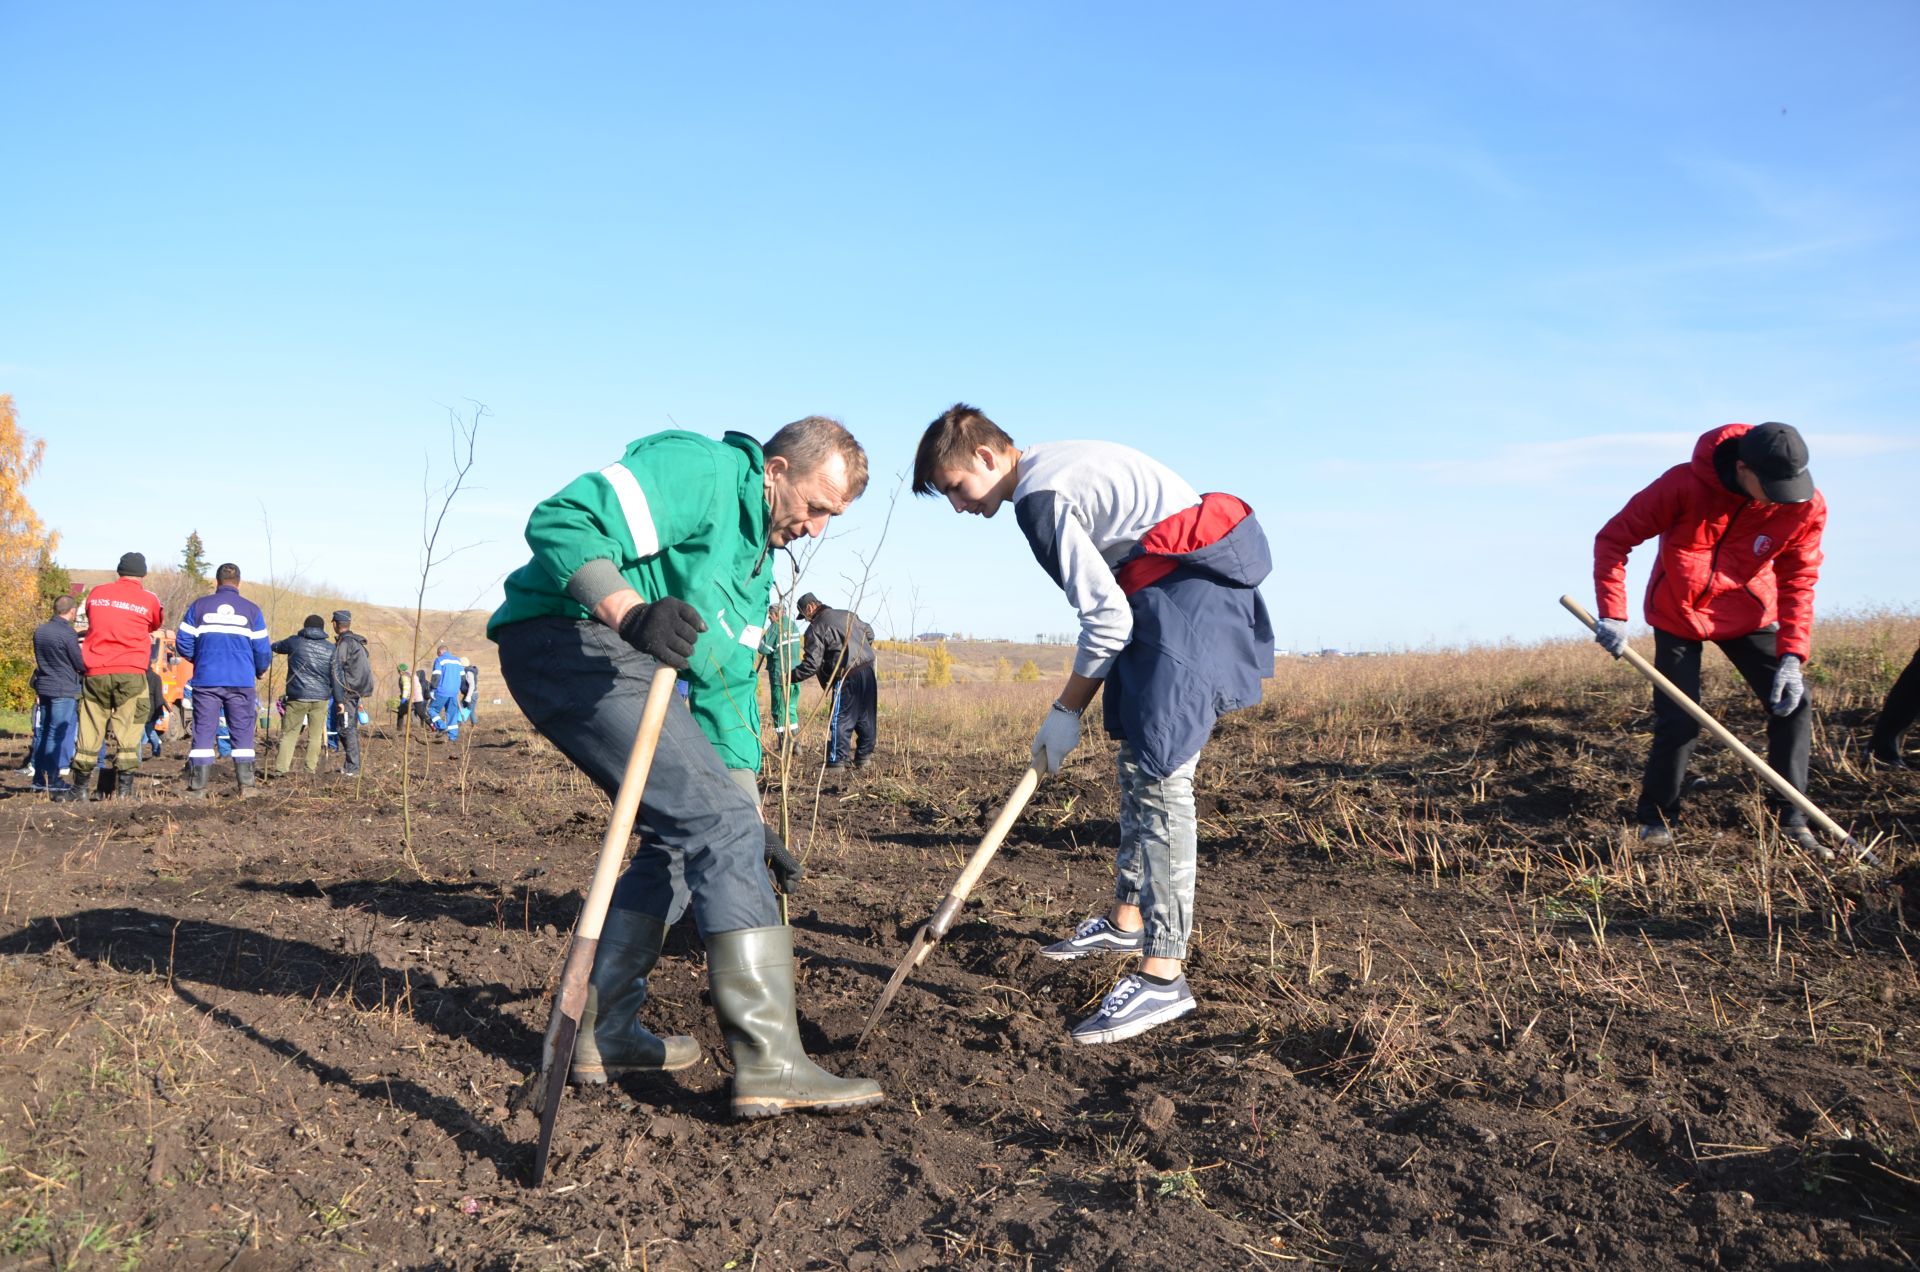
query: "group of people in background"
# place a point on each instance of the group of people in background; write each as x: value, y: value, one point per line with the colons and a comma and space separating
x: 105, y: 698
x: 440, y: 698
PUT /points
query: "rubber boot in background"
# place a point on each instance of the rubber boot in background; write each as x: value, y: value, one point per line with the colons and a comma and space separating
x: 612, y: 1041
x: 750, y: 978
x: 123, y: 785
x: 243, y: 770
x: 197, y: 780
x: 79, y: 788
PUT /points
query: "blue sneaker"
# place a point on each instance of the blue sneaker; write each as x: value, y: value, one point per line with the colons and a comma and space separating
x: 1134, y: 1006
x: 1096, y: 936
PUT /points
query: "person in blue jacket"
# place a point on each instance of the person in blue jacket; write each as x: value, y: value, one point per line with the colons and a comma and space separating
x: 224, y: 635
x: 443, y: 712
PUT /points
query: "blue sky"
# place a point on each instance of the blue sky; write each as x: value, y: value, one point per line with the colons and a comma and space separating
x: 1435, y: 288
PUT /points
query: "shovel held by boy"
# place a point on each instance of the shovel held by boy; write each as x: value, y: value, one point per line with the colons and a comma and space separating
x: 936, y: 927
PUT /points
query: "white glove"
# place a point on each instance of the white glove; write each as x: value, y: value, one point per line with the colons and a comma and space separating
x: 1611, y: 635
x: 1059, y: 734
x: 1789, y: 687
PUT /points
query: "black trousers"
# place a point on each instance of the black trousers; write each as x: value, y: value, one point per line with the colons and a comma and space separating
x: 1789, y: 738
x: 1899, y: 711
x: 856, y: 703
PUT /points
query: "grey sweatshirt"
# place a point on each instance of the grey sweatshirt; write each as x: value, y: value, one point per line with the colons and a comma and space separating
x: 1084, y: 507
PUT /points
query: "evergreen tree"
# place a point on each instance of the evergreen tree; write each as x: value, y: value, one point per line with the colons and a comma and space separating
x: 55, y: 581
x: 193, y: 563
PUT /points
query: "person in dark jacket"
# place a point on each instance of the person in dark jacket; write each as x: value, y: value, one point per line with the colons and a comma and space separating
x: 309, y: 685
x: 838, y: 651
x: 1166, y: 583
x: 1897, y: 715
x: 352, y: 673
x: 59, y: 669
x: 1739, y: 526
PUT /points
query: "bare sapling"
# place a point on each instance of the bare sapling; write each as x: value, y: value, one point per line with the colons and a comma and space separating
x: 435, y: 503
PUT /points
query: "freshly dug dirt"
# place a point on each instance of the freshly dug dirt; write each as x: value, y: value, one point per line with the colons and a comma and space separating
x: 1448, y: 1019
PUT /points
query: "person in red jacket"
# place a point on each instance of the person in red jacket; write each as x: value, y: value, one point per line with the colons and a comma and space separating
x: 122, y: 617
x: 1739, y: 528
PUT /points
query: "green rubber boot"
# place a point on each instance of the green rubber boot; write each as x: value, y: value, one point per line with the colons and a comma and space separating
x: 750, y: 977
x: 611, y: 1041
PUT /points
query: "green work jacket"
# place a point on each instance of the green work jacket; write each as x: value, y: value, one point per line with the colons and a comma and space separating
x: 680, y: 515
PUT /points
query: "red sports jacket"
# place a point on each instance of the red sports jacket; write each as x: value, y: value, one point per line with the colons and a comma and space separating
x: 122, y: 617
x: 1727, y: 566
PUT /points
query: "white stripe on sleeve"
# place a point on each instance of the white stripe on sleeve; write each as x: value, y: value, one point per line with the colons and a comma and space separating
x: 633, y: 506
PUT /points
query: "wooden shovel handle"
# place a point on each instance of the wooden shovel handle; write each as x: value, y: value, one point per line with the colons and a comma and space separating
x: 1718, y: 730
x: 977, y: 864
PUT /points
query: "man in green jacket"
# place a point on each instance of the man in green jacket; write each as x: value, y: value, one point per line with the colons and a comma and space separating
x: 781, y: 645
x: 662, y: 558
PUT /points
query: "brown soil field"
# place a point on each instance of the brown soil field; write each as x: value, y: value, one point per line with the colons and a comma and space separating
x: 1450, y: 1016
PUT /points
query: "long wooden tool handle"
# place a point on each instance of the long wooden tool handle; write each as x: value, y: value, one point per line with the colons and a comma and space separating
x: 570, y: 1000
x: 1718, y: 730
x: 626, y: 806
x: 977, y: 864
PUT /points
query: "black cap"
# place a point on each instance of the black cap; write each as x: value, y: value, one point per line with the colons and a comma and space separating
x: 313, y: 620
x: 132, y: 565
x: 343, y: 616
x: 806, y: 602
x: 1778, y: 456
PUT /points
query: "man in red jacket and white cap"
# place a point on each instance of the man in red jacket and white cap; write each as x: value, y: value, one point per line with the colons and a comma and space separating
x: 1739, y: 528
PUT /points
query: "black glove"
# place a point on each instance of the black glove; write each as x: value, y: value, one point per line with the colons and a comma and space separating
x: 786, y: 867
x: 663, y: 631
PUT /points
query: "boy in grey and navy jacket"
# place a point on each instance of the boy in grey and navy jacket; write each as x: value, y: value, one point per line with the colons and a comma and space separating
x: 1165, y: 582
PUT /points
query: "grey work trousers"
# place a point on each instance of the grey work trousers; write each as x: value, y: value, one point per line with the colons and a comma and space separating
x: 700, y: 842
x: 1159, y: 846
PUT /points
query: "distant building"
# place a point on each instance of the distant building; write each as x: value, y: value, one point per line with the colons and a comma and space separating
x: 934, y: 636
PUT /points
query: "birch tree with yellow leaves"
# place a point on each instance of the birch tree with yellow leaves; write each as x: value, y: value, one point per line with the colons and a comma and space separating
x: 24, y: 545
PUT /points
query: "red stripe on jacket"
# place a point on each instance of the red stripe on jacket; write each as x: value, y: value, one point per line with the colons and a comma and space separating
x: 1189, y: 530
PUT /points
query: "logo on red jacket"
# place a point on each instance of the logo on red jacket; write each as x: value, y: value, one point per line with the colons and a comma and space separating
x: 1762, y: 544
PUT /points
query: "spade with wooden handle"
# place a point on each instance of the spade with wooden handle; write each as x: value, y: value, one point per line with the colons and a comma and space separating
x: 570, y: 1000
x: 1739, y: 748
x: 936, y: 927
